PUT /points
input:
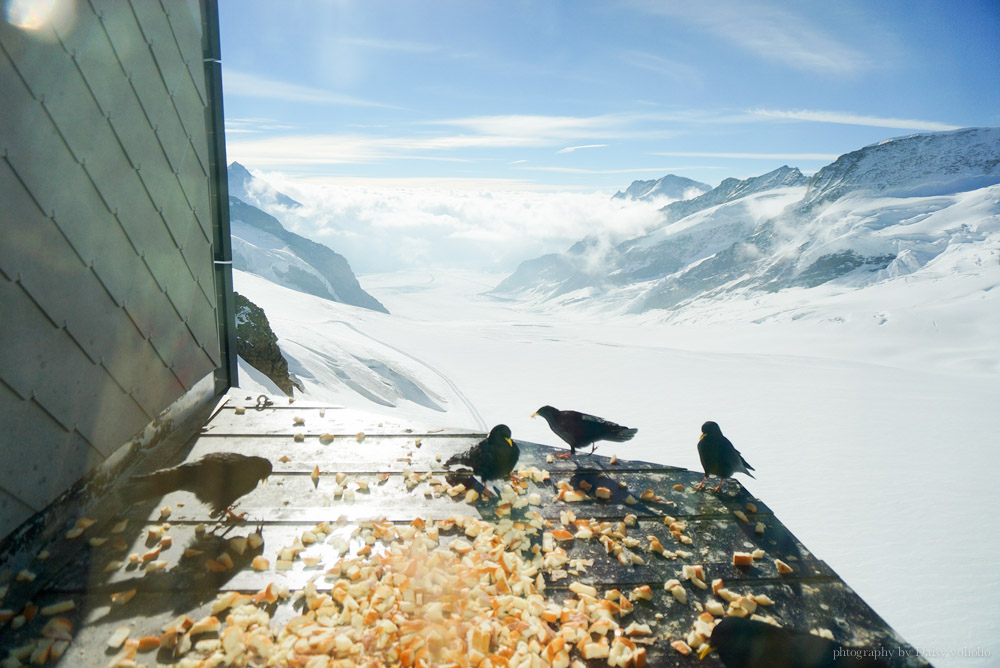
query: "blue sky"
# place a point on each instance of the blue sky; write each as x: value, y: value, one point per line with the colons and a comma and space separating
x: 591, y: 95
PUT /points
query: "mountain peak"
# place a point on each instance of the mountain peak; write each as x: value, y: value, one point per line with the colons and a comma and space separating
x: 935, y: 163
x: 670, y: 186
x: 255, y: 190
x: 732, y: 189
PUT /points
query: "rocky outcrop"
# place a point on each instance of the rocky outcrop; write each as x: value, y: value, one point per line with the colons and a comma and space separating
x: 258, y: 345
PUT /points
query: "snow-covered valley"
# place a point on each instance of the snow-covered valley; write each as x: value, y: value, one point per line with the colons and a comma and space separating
x: 870, y: 415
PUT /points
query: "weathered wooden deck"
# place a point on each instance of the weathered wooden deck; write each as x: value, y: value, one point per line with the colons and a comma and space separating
x: 292, y: 501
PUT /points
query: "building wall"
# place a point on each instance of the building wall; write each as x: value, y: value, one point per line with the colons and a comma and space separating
x: 108, y: 302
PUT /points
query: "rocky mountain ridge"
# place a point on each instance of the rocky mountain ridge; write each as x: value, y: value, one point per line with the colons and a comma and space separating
x: 877, y: 213
x: 262, y: 246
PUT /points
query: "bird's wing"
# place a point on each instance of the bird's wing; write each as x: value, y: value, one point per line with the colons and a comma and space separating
x: 157, y: 483
x: 597, y: 428
x: 593, y: 419
x: 472, y: 457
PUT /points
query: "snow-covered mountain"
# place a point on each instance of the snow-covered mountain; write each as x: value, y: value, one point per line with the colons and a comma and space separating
x: 920, y: 204
x: 262, y: 246
x: 256, y: 191
x: 733, y: 189
x: 670, y: 187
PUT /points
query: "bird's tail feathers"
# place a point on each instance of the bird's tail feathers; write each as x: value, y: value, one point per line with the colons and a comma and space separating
x: 622, y: 435
x: 460, y: 458
x: 148, y: 486
x: 747, y: 468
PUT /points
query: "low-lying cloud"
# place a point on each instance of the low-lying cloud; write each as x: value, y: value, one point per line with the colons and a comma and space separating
x: 387, y: 229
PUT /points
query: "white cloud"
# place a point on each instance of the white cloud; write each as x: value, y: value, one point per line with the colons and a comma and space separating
x: 626, y: 170
x: 482, y: 132
x: 541, y: 130
x: 570, y: 149
x: 242, y: 84
x: 847, y: 118
x: 768, y: 32
x: 749, y: 156
x: 383, y: 229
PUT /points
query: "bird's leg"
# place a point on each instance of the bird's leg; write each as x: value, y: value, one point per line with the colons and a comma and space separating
x: 234, y: 517
x: 719, y: 486
x: 701, y: 485
x: 593, y: 447
x: 566, y: 455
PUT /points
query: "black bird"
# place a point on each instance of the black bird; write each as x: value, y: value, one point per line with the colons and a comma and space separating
x: 580, y: 429
x: 747, y: 643
x: 217, y: 479
x: 718, y: 456
x: 492, y: 458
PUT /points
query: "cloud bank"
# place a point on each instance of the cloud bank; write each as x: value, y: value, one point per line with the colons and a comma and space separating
x: 388, y: 229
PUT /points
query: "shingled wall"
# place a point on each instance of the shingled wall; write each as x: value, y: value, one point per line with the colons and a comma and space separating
x: 110, y: 156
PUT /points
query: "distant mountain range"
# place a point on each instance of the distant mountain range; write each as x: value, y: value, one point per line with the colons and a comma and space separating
x: 670, y: 186
x: 886, y: 210
x: 262, y: 246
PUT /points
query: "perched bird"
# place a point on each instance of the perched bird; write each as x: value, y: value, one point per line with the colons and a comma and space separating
x: 217, y: 479
x: 580, y: 429
x: 718, y: 456
x: 747, y: 643
x: 492, y: 458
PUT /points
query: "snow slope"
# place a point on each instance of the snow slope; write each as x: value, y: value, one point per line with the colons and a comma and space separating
x: 870, y: 415
x: 331, y: 353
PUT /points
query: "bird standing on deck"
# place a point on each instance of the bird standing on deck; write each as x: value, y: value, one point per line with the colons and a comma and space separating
x: 718, y: 456
x: 580, y: 429
x: 493, y: 458
x: 217, y: 479
x: 747, y: 643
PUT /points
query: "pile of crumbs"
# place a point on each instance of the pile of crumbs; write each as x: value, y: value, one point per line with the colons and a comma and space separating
x: 426, y: 597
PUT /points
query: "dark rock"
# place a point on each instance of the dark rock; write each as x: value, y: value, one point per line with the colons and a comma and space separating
x: 258, y: 345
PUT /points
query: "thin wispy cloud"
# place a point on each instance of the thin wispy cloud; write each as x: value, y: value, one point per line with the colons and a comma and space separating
x: 341, y: 149
x: 391, y: 45
x: 570, y: 149
x: 748, y: 156
x: 542, y: 130
x: 538, y: 126
x: 680, y: 72
x: 439, y: 183
x: 254, y: 125
x: 768, y: 32
x: 242, y: 84
x: 626, y: 170
x: 846, y: 118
